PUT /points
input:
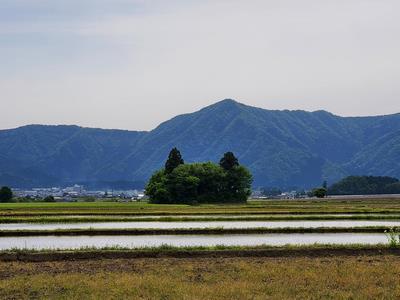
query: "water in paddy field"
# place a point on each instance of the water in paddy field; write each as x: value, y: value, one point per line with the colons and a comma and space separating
x: 200, y: 224
x: 76, y: 242
x: 225, y: 216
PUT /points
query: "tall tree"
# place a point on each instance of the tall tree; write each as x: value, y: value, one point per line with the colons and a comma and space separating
x: 228, y: 161
x: 174, y: 160
x: 237, y: 179
x: 237, y: 184
x: 5, y: 194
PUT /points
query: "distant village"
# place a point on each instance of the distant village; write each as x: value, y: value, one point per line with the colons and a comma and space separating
x: 287, y: 195
x: 72, y: 193
x: 75, y: 192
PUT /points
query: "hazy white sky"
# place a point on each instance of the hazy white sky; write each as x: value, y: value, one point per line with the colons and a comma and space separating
x: 132, y: 64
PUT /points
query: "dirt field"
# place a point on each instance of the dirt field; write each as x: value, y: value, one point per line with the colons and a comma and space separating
x: 323, y: 276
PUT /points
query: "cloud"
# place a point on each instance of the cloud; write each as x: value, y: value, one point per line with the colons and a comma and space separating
x: 133, y: 56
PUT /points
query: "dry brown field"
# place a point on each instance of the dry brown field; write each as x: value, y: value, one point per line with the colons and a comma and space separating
x: 292, y: 277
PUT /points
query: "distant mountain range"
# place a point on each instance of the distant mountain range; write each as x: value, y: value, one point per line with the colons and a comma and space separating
x: 281, y: 148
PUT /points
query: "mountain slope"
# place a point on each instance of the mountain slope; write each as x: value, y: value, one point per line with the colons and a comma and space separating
x: 282, y: 148
x: 38, y: 155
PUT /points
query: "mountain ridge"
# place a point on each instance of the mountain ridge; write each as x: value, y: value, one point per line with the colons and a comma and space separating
x: 281, y: 147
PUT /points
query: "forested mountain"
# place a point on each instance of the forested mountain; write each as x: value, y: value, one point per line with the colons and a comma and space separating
x: 281, y: 148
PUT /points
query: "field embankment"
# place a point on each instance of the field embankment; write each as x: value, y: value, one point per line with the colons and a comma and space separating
x: 288, y: 217
x: 166, y: 251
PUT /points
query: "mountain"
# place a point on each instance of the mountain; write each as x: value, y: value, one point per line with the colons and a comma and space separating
x: 281, y: 148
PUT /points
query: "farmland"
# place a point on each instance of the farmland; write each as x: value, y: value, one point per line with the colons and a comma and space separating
x: 302, y: 276
x: 307, y: 206
x: 203, y: 269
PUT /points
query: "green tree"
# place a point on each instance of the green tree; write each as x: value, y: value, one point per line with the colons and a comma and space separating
x: 200, y: 183
x: 211, y: 183
x: 49, y: 199
x: 6, y: 194
x: 157, y: 188
x: 173, y: 161
x: 237, y: 184
x: 183, y: 184
x: 319, y: 192
x: 364, y: 185
x: 393, y: 188
x: 228, y: 161
x: 197, y: 183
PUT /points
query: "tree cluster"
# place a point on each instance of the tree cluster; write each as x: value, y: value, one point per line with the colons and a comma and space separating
x: 6, y: 194
x: 194, y: 183
x: 49, y: 199
x: 319, y: 192
x: 365, y: 185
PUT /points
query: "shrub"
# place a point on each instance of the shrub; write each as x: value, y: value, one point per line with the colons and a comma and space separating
x: 319, y: 192
x: 49, y: 199
x: 393, y: 237
x: 6, y: 194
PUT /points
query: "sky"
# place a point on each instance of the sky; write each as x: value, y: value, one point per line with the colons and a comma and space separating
x: 132, y: 64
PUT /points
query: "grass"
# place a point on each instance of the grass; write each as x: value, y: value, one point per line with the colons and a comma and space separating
x: 324, y: 206
x: 278, y: 277
x: 115, y: 252
x: 355, y: 209
x: 179, y: 249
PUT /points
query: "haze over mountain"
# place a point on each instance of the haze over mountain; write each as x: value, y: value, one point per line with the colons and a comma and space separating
x: 281, y: 148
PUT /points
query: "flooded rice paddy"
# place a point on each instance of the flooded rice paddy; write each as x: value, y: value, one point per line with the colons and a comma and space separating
x: 76, y: 242
x: 200, y: 224
x: 222, y: 216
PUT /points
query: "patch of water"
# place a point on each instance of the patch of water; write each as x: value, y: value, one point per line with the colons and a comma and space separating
x: 76, y: 242
x: 200, y: 224
x: 228, y: 216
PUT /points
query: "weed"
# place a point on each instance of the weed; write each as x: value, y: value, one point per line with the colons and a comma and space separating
x: 393, y: 236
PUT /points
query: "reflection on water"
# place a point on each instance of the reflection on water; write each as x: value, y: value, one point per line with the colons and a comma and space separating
x: 200, y: 224
x: 74, y: 242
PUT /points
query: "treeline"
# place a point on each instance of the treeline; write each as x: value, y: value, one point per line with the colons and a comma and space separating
x: 365, y: 185
x: 6, y: 194
x: 226, y: 182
